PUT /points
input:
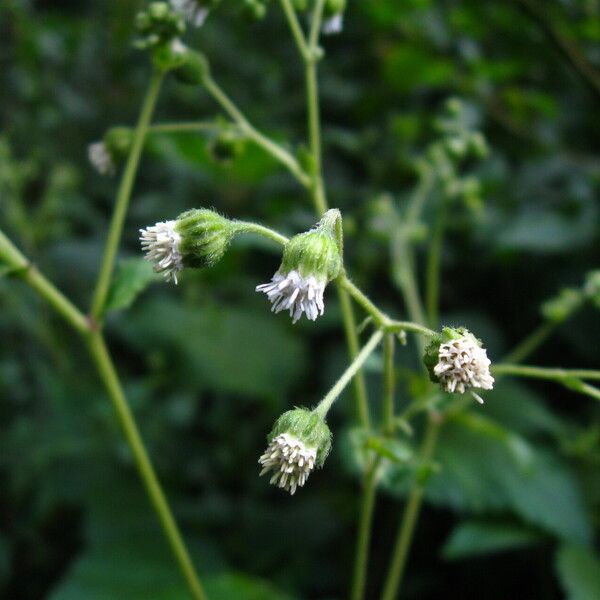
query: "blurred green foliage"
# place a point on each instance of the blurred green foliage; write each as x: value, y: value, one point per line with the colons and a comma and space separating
x: 514, y: 494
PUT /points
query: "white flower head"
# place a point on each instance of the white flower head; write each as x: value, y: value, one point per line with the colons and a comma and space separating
x: 333, y: 25
x: 101, y: 159
x: 290, y: 460
x: 192, y: 10
x: 299, y: 442
x: 161, y: 243
x: 295, y: 293
x: 310, y: 261
x: 462, y: 365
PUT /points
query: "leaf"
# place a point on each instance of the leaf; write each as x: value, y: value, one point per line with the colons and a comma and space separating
x: 482, y: 475
x: 392, y: 449
x: 132, y: 278
x: 220, y: 348
x: 236, y: 585
x: 474, y: 538
x: 579, y: 572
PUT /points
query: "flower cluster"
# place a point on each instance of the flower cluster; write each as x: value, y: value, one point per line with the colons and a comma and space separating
x: 457, y: 362
x: 310, y: 261
x: 299, y: 442
x: 161, y: 243
x: 290, y: 460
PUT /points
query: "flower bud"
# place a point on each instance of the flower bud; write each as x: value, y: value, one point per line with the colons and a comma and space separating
x: 254, y: 9
x: 333, y: 16
x: 114, y: 147
x: 456, y: 360
x: 157, y: 26
x: 310, y: 261
x: 194, y: 11
x: 226, y: 146
x: 193, y: 69
x: 197, y: 238
x: 299, y: 441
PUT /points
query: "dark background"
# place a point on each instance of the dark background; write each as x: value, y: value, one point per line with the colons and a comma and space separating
x: 207, y: 368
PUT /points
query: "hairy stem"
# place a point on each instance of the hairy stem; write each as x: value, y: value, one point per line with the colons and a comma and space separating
x: 389, y: 383
x: 544, y: 372
x: 365, y: 523
x: 106, y: 370
x: 101, y: 358
x: 433, y: 269
x: 410, y: 515
x: 295, y: 28
x: 333, y: 394
x: 266, y: 232
x: 184, y: 127
x: 261, y: 140
x: 123, y: 197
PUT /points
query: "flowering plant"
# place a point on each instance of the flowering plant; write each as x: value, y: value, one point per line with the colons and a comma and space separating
x: 312, y: 268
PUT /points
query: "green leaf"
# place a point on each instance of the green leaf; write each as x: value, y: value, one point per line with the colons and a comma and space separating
x: 483, y: 475
x: 236, y: 585
x: 579, y: 572
x: 474, y: 538
x: 219, y: 348
x: 132, y: 277
x: 393, y: 449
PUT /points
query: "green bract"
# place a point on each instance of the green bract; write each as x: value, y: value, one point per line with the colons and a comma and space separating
x: 307, y: 426
x: 205, y: 237
x: 315, y: 253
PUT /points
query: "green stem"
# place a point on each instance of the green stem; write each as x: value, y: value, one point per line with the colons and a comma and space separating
x: 367, y: 504
x: 266, y: 232
x: 296, y: 29
x: 531, y: 342
x: 26, y: 271
x: 389, y: 382
x: 101, y: 358
x: 106, y: 370
x: 184, y: 127
x: 403, y: 272
x: 261, y: 140
x: 410, y: 516
x: 433, y: 269
x: 315, y: 26
x: 327, y: 402
x: 123, y: 196
x: 543, y: 372
x: 380, y: 317
x: 350, y: 330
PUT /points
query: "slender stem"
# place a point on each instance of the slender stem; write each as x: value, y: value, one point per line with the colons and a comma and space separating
x: 106, y: 370
x: 314, y: 130
x: 389, y: 383
x: 183, y: 127
x: 266, y: 232
x: 433, y: 269
x: 367, y: 504
x: 261, y: 140
x: 101, y: 358
x: 332, y: 395
x: 410, y: 516
x: 403, y: 272
x: 531, y: 342
x: 360, y: 386
x: 29, y: 273
x: 124, y: 195
x: 361, y: 298
x: 315, y: 26
x: 544, y: 372
x: 398, y: 326
x: 365, y: 522
x: 295, y: 27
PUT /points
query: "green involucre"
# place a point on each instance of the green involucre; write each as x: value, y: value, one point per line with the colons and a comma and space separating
x: 205, y: 237
x: 308, y: 427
